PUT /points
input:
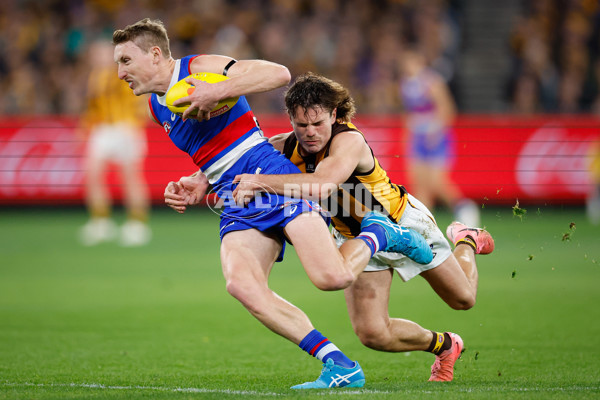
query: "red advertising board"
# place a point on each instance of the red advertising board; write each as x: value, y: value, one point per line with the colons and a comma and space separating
x: 498, y: 159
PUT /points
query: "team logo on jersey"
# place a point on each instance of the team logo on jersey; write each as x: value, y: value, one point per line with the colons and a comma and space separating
x: 173, y: 116
x: 167, y: 126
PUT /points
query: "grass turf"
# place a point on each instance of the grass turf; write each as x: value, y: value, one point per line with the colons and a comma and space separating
x: 156, y: 322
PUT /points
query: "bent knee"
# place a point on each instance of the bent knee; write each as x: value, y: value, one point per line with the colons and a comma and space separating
x: 329, y: 281
x: 373, y: 338
x: 246, y: 293
x: 465, y: 302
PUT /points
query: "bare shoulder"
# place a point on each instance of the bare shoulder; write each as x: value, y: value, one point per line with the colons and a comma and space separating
x: 209, y: 63
x: 348, y: 139
x: 278, y: 141
x: 354, y: 149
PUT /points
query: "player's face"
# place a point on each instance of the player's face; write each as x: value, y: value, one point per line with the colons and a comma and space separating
x: 312, y: 128
x: 412, y: 63
x: 135, y: 67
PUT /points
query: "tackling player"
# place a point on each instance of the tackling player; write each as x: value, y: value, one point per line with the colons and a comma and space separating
x: 332, y: 152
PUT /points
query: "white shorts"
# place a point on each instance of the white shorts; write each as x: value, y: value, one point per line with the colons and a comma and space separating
x: 120, y: 143
x: 417, y: 217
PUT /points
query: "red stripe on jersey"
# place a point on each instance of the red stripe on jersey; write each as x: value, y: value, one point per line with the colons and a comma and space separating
x: 312, y: 351
x: 223, y: 139
x: 190, y: 63
x: 152, y: 111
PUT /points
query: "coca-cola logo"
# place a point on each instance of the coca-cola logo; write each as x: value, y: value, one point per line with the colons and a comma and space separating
x: 41, y: 159
x: 552, y: 161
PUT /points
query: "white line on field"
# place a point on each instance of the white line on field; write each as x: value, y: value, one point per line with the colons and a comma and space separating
x: 155, y: 388
x: 323, y: 393
x: 178, y: 389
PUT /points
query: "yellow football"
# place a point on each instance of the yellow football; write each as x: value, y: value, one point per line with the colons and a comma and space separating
x: 183, y: 89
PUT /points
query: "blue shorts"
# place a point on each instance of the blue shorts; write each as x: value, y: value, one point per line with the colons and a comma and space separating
x: 268, y: 212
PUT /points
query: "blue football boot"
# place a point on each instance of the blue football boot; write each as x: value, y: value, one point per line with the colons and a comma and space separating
x: 333, y: 376
x: 400, y: 240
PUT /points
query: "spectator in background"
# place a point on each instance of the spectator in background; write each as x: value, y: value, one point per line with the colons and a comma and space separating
x: 112, y: 120
x: 430, y: 112
x: 352, y: 41
x: 553, y: 57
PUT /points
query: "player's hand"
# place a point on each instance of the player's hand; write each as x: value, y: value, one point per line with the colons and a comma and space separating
x: 195, y: 187
x: 175, y: 198
x: 202, y: 100
x: 247, y: 187
x: 187, y: 192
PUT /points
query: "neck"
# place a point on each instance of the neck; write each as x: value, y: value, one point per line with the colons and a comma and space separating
x: 164, y: 77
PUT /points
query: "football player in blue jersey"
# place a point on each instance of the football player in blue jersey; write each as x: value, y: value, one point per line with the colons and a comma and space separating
x: 253, y: 237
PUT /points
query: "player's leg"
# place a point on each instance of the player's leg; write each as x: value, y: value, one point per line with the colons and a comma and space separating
x: 455, y: 283
x: 135, y: 231
x: 247, y: 258
x: 442, y: 186
x: 96, y: 189
x: 131, y: 152
x: 464, y: 209
x: 333, y: 269
x: 422, y: 186
x: 456, y: 279
x: 135, y: 190
x: 100, y: 227
x: 367, y: 300
x: 593, y: 205
x: 326, y: 267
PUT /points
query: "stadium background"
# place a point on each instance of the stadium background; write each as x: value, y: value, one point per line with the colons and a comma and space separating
x: 515, y: 70
x: 525, y: 76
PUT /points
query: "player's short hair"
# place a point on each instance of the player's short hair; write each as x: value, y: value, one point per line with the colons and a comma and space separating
x: 145, y: 34
x: 312, y: 90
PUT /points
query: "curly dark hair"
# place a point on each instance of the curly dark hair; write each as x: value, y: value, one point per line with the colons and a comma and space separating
x: 145, y: 34
x: 311, y: 90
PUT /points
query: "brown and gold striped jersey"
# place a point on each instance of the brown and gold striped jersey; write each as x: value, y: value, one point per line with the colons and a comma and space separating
x: 361, y: 193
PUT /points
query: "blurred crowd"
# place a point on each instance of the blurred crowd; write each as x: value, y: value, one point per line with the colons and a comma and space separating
x: 556, y: 53
x: 44, y: 61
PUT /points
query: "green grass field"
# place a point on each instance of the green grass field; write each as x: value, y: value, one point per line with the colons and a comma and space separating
x: 157, y: 323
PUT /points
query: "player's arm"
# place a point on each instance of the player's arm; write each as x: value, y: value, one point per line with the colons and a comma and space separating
x: 278, y: 141
x: 245, y: 77
x: 348, y: 152
x: 445, y: 105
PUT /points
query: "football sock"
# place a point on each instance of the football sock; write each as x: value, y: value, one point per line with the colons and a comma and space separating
x: 468, y: 240
x: 322, y: 349
x: 374, y: 236
x: 99, y: 211
x: 138, y: 214
x: 439, y: 343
